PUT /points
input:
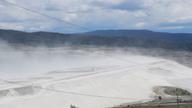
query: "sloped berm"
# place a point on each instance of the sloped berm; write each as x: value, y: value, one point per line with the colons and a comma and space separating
x: 20, y: 91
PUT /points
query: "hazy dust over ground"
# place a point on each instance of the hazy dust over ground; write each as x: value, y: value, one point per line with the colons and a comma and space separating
x: 43, y: 59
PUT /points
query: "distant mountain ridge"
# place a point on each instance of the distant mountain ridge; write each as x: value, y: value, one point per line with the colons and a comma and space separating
x: 119, y: 32
x: 120, y: 38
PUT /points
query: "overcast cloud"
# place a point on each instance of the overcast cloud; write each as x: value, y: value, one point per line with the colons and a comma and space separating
x: 159, y: 15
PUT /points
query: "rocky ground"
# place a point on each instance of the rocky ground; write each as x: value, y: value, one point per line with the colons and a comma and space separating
x: 166, y: 97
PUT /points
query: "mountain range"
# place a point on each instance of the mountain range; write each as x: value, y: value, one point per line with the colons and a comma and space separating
x: 118, y: 38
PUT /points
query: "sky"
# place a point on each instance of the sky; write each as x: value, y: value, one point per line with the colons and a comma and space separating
x: 89, y: 15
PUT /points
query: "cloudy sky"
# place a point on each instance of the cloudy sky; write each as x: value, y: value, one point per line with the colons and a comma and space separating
x: 87, y: 15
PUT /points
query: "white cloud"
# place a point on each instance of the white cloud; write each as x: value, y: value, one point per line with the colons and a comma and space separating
x: 172, y: 27
x: 11, y: 26
x: 140, y: 24
x: 98, y: 14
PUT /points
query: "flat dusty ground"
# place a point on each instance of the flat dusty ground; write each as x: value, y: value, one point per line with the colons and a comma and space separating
x: 84, y: 78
